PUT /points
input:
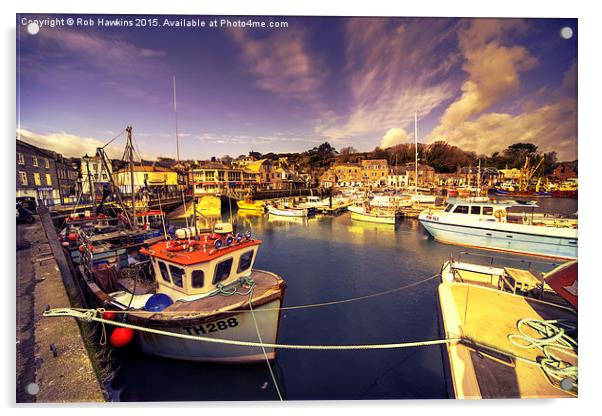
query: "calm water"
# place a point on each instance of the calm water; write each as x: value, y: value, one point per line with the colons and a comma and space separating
x: 324, y: 259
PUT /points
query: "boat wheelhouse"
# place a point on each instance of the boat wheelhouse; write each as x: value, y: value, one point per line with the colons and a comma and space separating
x: 503, y: 226
x: 202, y: 285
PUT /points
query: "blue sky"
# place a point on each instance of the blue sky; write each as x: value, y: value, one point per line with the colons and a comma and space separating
x: 481, y: 84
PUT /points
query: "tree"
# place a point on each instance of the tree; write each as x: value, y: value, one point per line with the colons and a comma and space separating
x: 254, y: 154
x: 550, y: 161
x: 227, y: 158
x: 345, y: 154
x: 517, y: 153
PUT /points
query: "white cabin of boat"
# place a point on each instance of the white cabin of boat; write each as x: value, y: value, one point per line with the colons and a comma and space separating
x: 191, y: 267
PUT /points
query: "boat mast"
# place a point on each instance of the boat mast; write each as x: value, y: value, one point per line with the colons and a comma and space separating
x: 91, y: 185
x: 175, y: 110
x: 416, y: 149
x: 130, y: 148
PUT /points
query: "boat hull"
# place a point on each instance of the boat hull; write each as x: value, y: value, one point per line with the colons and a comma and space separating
x: 288, y: 212
x: 502, y: 239
x: 371, y: 217
x: 236, y: 326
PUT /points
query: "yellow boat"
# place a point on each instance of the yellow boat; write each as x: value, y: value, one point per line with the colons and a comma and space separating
x: 249, y: 205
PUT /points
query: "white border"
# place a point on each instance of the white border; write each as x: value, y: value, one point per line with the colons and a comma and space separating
x: 590, y: 153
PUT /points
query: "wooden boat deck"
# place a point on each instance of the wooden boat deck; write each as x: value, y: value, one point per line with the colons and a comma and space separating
x: 268, y: 287
x: 486, y: 317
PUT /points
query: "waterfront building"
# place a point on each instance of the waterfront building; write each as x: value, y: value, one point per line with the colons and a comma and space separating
x: 95, y: 172
x: 210, y: 178
x: 375, y: 172
x: 69, y: 184
x: 153, y: 178
x: 242, y: 162
x: 564, y: 171
x: 36, y: 174
x: 510, y: 174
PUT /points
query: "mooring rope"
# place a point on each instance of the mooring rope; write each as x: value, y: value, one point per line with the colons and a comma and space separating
x: 265, y: 354
x: 93, y: 315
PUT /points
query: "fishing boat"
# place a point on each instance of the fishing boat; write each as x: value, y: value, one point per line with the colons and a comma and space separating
x: 509, y: 345
x: 286, y: 211
x: 202, y: 285
x: 250, y: 205
x: 491, y: 225
x: 372, y: 214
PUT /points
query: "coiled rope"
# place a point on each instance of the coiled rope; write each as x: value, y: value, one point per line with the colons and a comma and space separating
x: 552, y: 338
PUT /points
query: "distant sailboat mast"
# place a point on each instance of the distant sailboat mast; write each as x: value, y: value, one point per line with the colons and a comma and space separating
x: 175, y: 110
x: 416, y: 150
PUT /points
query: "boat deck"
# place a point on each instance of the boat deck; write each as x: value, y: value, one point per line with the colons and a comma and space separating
x: 268, y: 287
x: 484, y: 317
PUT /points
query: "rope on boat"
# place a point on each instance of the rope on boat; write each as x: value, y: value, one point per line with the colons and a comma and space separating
x: 553, y: 337
x: 265, y: 354
x: 94, y: 315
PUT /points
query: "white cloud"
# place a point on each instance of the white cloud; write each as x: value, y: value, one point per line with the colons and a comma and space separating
x: 392, y: 70
x: 394, y: 136
x: 71, y: 145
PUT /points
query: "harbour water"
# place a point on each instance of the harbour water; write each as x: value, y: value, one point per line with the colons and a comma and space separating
x: 322, y: 259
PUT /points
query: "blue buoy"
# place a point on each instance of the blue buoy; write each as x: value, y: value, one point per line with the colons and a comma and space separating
x: 157, y: 302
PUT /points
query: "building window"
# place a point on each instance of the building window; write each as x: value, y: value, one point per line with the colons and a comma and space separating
x: 245, y: 261
x: 35, y: 161
x: 23, y: 178
x: 46, y: 163
x: 48, y: 179
x: 177, y: 275
x: 36, y: 179
x: 20, y: 158
x: 198, y: 278
x: 222, y: 271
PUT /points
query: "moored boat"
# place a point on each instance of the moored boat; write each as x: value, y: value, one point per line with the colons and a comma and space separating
x: 204, y: 285
x: 250, y: 205
x: 284, y: 211
x: 509, y: 345
x: 491, y: 225
x: 372, y: 214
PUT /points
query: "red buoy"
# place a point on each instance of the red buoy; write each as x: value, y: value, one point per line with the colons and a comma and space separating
x: 121, y: 337
x: 72, y: 236
x: 109, y: 315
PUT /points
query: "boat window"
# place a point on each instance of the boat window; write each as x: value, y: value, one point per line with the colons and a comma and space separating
x: 245, y: 261
x: 222, y: 270
x: 198, y: 278
x: 449, y: 207
x: 461, y: 209
x: 177, y: 275
x: 487, y: 210
x: 475, y: 210
x: 164, y: 272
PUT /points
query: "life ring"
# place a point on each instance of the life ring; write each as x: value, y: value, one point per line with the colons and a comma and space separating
x: 499, y: 214
x: 176, y: 246
x: 229, y: 240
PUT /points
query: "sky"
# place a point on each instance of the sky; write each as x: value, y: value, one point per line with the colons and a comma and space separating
x: 480, y: 84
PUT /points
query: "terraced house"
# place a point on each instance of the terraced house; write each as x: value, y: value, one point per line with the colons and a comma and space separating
x: 36, y: 174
